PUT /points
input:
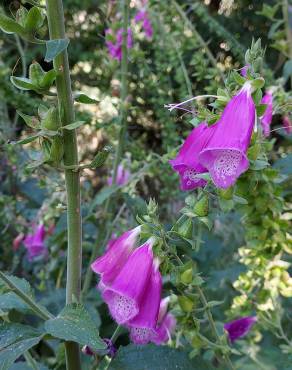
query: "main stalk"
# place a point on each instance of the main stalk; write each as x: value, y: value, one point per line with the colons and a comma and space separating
x: 55, y: 15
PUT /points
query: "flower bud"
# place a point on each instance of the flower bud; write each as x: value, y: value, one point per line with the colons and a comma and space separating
x: 51, y: 120
x: 185, y: 303
x: 202, y: 207
x: 36, y: 74
x: 57, y: 149
x: 187, y: 276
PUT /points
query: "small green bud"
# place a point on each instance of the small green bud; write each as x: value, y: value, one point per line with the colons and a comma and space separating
x: 187, y: 276
x: 226, y: 194
x: 185, y: 303
x: 57, y: 149
x: 51, y: 120
x: 201, y: 208
x: 100, y: 157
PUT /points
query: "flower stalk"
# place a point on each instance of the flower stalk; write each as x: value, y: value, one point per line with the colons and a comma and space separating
x: 55, y: 15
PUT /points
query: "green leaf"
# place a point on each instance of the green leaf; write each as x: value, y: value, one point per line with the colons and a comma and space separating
x: 83, y: 98
x: 100, y: 157
x: 22, y: 83
x: 75, y: 324
x: 261, y: 108
x: 104, y: 194
x: 34, y: 19
x: 239, y: 200
x: 31, y: 121
x: 259, y: 164
x: 48, y: 79
x: 8, y: 25
x: 287, y: 69
x: 16, y: 339
x: 55, y: 47
x: 27, y: 140
x: 151, y: 357
x: 73, y: 125
x: 258, y: 83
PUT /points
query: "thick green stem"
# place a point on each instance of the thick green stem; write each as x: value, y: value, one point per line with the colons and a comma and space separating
x: 56, y: 23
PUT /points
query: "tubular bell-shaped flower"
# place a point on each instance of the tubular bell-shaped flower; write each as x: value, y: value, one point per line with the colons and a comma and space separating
x: 143, y: 325
x: 123, y: 176
x: 239, y: 328
x: 34, y: 243
x: 287, y: 125
x: 186, y: 162
x: 225, y: 154
x: 115, y: 48
x: 165, y: 324
x: 126, y: 292
x: 116, y: 255
x: 266, y: 118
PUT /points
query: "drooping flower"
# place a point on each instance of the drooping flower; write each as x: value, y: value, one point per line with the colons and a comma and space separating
x: 123, y: 176
x: 17, y: 241
x: 266, y: 118
x: 125, y: 293
x: 116, y: 255
x: 225, y: 154
x: 239, y: 328
x: 115, y: 47
x: 186, y: 162
x: 143, y: 16
x: 165, y: 325
x: 34, y: 243
x: 287, y: 125
x: 143, y: 325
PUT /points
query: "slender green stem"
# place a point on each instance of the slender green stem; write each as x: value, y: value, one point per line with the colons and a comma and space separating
x: 55, y: 15
x: 124, y: 90
x: 285, y: 11
x: 121, y: 141
x: 116, y: 333
x: 38, y: 310
x: 30, y: 361
x: 200, y: 39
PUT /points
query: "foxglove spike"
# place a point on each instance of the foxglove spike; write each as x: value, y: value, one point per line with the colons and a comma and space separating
x: 126, y: 292
x: 225, y: 154
x: 116, y: 255
x: 186, y: 162
x: 143, y: 325
x: 266, y: 119
x: 239, y: 328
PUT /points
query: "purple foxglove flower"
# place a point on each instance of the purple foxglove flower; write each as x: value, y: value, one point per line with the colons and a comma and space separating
x: 186, y: 162
x: 115, y: 48
x: 112, y: 350
x: 239, y: 328
x: 142, y: 326
x: 123, y: 176
x: 266, y: 119
x: 143, y: 16
x: 244, y: 70
x: 287, y: 125
x: 34, y: 243
x: 225, y: 154
x: 164, y: 330
x: 126, y: 292
x: 116, y: 255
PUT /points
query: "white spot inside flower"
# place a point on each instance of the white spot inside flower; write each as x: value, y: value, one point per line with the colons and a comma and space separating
x: 123, y: 307
x: 190, y: 176
x: 227, y: 163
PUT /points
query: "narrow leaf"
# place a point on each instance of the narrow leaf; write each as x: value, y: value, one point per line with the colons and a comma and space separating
x: 22, y: 83
x: 83, y: 98
x: 31, y: 121
x: 34, y: 19
x: 27, y: 140
x: 48, y: 79
x: 54, y: 48
x: 73, y: 125
x: 8, y: 25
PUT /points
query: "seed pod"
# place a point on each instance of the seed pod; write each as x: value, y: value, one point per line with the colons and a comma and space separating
x: 57, y: 149
x: 187, y: 276
x: 36, y: 74
x: 51, y: 120
x: 201, y: 208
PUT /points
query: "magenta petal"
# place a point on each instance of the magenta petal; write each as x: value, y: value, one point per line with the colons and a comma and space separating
x: 238, y: 328
x: 187, y: 163
x: 266, y: 119
x: 287, y: 125
x: 116, y: 255
x: 142, y: 325
x: 126, y: 292
x: 225, y: 155
x: 34, y: 243
x: 163, y: 333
